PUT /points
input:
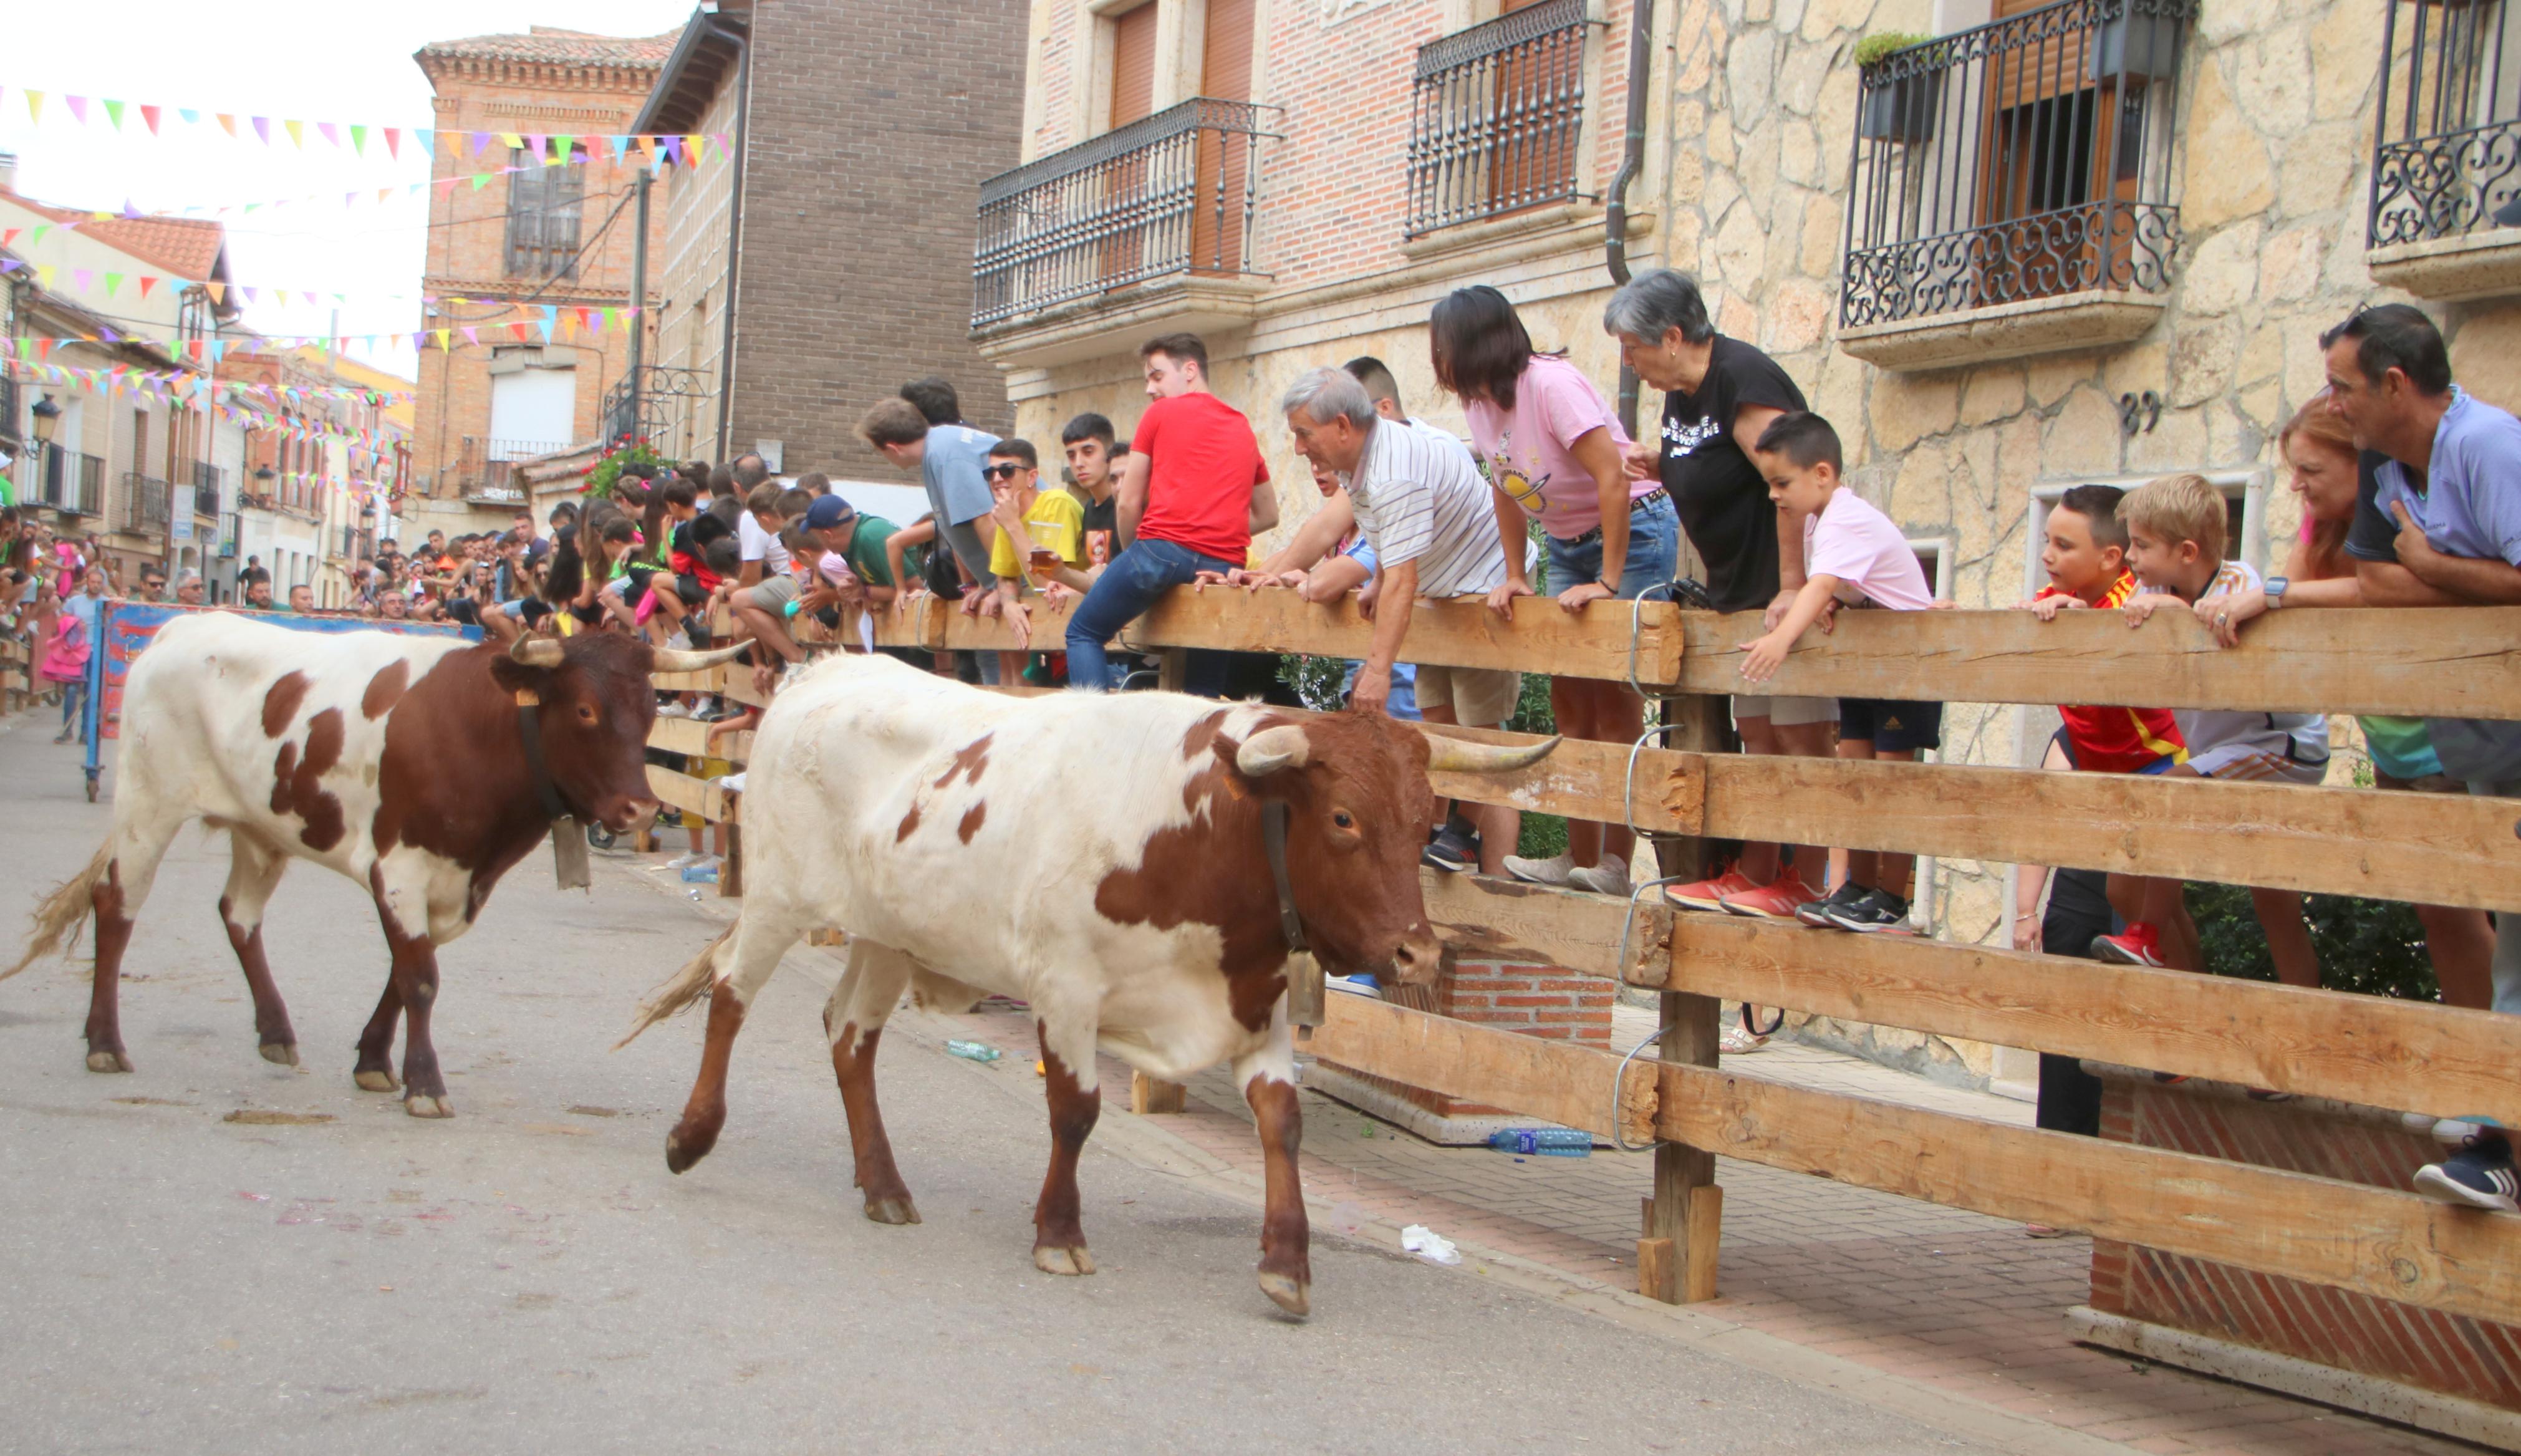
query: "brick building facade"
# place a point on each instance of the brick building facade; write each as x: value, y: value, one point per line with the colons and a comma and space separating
x: 843, y: 239
x: 543, y: 238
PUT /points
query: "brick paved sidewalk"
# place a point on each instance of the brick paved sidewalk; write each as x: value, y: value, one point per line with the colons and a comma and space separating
x: 1949, y: 1301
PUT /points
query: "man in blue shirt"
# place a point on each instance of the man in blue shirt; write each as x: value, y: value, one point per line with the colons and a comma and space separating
x: 2440, y: 526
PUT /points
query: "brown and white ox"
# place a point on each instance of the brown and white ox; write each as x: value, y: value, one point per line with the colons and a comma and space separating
x: 1098, y: 857
x: 398, y: 761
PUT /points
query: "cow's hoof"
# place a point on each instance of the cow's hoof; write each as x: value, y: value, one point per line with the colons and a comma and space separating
x: 681, y: 1155
x: 1287, y: 1292
x: 375, y: 1079
x: 281, y: 1053
x: 1050, y: 1258
x: 895, y: 1210
x: 108, y: 1062
x: 427, y: 1106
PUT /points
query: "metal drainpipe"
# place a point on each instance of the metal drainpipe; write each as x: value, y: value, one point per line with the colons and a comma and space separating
x: 1615, y: 217
x: 735, y: 225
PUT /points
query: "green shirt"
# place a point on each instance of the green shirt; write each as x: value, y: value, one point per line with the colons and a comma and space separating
x: 865, y: 555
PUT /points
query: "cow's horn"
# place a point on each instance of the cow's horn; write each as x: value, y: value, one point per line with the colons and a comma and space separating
x: 679, y: 659
x: 536, y: 651
x: 1274, y: 748
x: 1457, y: 755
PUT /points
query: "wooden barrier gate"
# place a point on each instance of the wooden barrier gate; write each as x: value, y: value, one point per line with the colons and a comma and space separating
x: 2392, y: 1054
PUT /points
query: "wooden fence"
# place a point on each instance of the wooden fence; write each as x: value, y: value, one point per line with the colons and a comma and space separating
x: 2392, y: 1054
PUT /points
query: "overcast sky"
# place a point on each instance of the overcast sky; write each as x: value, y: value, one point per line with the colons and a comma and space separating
x: 308, y: 59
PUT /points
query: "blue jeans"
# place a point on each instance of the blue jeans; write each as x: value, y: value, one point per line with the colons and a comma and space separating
x: 1654, y: 553
x: 1135, y: 580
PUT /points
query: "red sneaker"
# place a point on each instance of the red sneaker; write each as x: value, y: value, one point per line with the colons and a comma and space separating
x: 1709, y: 895
x: 2141, y: 945
x: 1778, y: 901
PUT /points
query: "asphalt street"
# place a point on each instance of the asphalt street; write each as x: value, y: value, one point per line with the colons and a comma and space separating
x: 214, y: 1254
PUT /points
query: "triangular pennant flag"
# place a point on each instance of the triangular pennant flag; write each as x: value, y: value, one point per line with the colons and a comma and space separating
x: 112, y: 281
x: 218, y: 293
x: 150, y: 114
x: 724, y: 146
x: 472, y: 335
x: 34, y: 106
x: 85, y: 277
x: 585, y: 317
x: 78, y: 107
x: 44, y: 274
x: 427, y: 140
x: 620, y: 144
x: 227, y: 121
x: 522, y: 330
x: 332, y: 133
x: 394, y: 140
x: 148, y: 281
x: 480, y: 142
x: 250, y: 296
x: 297, y: 133
x: 383, y: 193
x: 190, y: 117
x: 9, y: 236
x: 38, y: 231
x: 511, y: 141
x: 610, y: 315
x: 646, y: 144
x: 359, y: 140
x: 262, y: 129
x: 113, y: 113
x: 479, y: 180
x: 699, y: 146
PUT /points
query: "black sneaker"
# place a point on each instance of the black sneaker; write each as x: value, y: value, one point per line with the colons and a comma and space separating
x: 1452, y: 851
x: 1815, y: 913
x: 2477, y: 1176
x: 1879, y: 912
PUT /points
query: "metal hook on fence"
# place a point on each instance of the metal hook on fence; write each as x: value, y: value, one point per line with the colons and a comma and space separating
x: 1618, y: 1086
x: 1638, y: 628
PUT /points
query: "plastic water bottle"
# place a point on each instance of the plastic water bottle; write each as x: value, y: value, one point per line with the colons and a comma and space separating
x: 700, y: 874
x: 973, y: 1050
x: 1545, y: 1142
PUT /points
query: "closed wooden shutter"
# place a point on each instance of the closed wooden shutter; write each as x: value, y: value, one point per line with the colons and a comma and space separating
x: 1225, y: 157
x: 1133, y: 64
x: 1225, y: 63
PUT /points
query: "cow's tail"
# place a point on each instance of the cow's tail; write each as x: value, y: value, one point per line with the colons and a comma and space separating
x: 57, y: 921
x: 688, y: 985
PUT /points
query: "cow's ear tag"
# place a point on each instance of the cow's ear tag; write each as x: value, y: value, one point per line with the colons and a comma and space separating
x: 529, y: 698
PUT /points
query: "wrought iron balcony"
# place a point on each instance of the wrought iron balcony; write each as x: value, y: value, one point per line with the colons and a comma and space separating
x: 666, y: 398
x: 2024, y: 159
x: 209, y: 483
x: 2446, y: 154
x: 1496, y: 112
x: 144, y: 503
x: 1170, y: 194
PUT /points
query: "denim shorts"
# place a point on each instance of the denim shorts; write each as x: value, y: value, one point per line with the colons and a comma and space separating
x: 1654, y: 553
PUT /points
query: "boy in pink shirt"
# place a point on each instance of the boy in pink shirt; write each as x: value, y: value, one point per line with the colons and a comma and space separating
x: 1854, y: 553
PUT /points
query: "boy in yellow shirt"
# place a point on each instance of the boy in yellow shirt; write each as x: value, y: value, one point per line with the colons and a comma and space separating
x: 1041, y: 538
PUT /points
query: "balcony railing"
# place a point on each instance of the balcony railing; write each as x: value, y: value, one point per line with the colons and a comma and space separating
x: 144, y: 503
x: 2447, y: 153
x: 210, y: 484
x: 1495, y: 113
x: 9, y: 423
x: 1170, y: 194
x: 2024, y: 159
x: 73, y: 483
x: 229, y: 525
x: 667, y: 397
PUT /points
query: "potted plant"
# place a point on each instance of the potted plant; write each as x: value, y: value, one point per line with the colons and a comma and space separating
x: 2138, y: 38
x: 1901, y: 110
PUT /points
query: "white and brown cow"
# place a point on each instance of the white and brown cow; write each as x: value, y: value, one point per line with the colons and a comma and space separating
x: 1098, y: 857
x: 398, y: 761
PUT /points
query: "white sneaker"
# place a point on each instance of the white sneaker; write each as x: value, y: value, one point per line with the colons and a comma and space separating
x: 1610, y: 878
x: 732, y: 782
x: 679, y: 642
x: 685, y: 860
x: 1352, y: 986
x: 1540, y: 871
x: 674, y: 709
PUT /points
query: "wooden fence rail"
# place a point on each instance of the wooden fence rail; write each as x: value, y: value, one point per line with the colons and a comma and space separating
x: 2434, y: 848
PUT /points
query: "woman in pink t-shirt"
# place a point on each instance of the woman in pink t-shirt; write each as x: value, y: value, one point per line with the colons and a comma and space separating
x: 1554, y: 452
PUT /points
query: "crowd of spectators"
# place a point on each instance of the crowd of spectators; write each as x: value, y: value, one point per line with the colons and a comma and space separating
x: 2411, y: 491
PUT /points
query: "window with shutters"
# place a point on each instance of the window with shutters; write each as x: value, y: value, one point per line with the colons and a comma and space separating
x: 543, y: 207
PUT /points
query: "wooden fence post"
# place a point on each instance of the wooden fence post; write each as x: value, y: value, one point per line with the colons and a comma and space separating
x: 1684, y: 1220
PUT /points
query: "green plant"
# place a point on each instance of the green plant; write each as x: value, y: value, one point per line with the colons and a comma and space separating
x: 610, y: 464
x: 1872, y: 49
x: 2375, y: 947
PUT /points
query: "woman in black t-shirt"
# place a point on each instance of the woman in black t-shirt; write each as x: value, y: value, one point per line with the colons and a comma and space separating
x: 1719, y: 394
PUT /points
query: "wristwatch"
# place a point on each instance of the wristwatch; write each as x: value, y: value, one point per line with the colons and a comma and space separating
x: 2276, y: 589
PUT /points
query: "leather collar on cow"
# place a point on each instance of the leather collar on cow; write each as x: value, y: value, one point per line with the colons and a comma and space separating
x: 529, y: 725
x: 1273, y: 840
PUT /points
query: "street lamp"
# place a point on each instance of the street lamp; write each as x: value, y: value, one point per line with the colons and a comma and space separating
x: 48, y: 417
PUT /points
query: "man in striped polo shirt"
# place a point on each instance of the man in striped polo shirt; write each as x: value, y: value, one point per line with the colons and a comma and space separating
x: 1432, y: 522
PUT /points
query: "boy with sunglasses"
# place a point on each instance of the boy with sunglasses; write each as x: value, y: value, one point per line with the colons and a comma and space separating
x: 1042, y: 535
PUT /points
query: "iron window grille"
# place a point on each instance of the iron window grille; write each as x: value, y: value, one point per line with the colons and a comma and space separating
x: 2446, y: 139
x: 2026, y: 159
x: 1172, y: 192
x: 1495, y: 116
x: 145, y: 501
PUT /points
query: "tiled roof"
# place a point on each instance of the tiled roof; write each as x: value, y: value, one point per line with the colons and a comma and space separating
x: 188, y: 247
x: 545, y: 43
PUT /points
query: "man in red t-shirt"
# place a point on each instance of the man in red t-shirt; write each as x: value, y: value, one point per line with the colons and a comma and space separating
x: 1193, y: 491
